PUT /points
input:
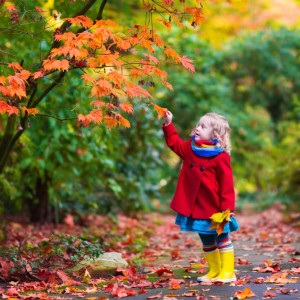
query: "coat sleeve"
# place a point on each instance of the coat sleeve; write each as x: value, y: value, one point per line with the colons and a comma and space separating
x: 174, y: 142
x: 225, y: 179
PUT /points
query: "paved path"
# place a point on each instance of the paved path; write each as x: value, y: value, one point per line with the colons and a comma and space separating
x: 267, y: 255
x: 267, y: 252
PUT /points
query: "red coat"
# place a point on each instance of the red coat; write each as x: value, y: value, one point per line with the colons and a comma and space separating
x: 205, y: 184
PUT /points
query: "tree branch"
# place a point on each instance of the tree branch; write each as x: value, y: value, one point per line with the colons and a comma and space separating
x: 100, y: 12
x: 57, y: 118
x: 48, y: 89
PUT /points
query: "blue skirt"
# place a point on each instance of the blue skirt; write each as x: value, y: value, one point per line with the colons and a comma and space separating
x: 202, y: 226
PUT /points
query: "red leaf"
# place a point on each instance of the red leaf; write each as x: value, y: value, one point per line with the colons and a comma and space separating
x: 162, y: 271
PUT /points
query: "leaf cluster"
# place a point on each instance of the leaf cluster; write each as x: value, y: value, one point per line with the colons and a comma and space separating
x: 60, y: 251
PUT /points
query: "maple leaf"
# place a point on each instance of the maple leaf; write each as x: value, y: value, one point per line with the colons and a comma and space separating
x: 161, y: 111
x: 127, y: 107
x: 122, y: 121
x: 172, y: 53
x: 136, y: 73
x: 152, y: 58
x: 38, y: 74
x: 133, y: 90
x: 166, y: 23
x: 116, y: 78
x: 87, y: 78
x: 106, y: 23
x: 101, y: 88
x: 162, y: 271
x: 246, y: 293
x: 98, y: 103
x: 187, y: 63
x: 96, y: 116
x: 167, y: 85
x: 2, y: 80
x: 6, y: 108
x: 81, y: 20
x: 30, y: 111
x: 218, y: 220
x: 15, y: 66
x: 52, y: 64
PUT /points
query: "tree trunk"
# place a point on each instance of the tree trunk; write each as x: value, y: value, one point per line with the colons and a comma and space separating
x: 38, y: 204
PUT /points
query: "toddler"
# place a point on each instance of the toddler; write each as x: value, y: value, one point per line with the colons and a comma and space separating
x: 205, y: 187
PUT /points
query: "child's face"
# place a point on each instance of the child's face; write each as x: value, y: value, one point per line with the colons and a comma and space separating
x: 203, y: 130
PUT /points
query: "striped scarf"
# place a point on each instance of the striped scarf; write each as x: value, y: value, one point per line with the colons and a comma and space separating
x: 206, y: 148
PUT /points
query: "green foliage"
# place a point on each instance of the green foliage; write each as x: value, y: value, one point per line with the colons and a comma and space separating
x: 254, y: 82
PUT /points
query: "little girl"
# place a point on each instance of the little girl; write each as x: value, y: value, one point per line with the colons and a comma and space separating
x: 205, y: 187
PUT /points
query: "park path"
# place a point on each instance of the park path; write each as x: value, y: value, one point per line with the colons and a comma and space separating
x: 267, y: 261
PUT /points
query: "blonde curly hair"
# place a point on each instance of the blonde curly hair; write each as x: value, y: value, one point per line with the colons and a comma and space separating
x: 220, y: 130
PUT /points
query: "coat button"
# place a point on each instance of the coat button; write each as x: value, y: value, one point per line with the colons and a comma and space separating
x: 201, y: 168
x: 191, y: 165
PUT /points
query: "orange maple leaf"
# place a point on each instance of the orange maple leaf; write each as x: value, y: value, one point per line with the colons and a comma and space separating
x: 172, y: 53
x: 101, y: 88
x: 2, y: 80
x: 30, y: 111
x: 16, y: 66
x: 84, y: 120
x: 122, y: 44
x: 187, y: 63
x: 246, y: 293
x: 110, y: 121
x: 16, y: 90
x: 106, y: 23
x: 136, y: 73
x: 81, y: 20
x: 133, y: 90
x: 87, y: 78
x: 116, y: 78
x: 5, y: 108
x: 122, y: 121
x: 161, y: 111
x: 166, y: 23
x: 38, y: 74
x: 127, y: 107
x: 147, y: 44
x: 167, y: 85
x: 96, y: 115
x: 98, y: 103
x: 24, y: 74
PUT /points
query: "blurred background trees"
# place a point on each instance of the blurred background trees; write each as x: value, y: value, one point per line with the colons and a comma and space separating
x: 246, y: 56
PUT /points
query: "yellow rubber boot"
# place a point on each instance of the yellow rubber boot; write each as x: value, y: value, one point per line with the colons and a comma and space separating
x: 214, y: 264
x: 227, y: 267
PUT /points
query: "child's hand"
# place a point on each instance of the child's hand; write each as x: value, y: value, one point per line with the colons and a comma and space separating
x: 168, y: 118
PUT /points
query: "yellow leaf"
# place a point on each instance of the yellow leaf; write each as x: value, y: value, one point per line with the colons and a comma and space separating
x: 218, y: 220
x: 87, y: 276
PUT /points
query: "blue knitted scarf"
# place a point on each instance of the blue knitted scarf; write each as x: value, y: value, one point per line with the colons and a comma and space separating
x: 206, y: 148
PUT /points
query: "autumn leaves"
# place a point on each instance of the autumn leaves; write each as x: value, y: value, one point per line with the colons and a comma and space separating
x: 113, y: 64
